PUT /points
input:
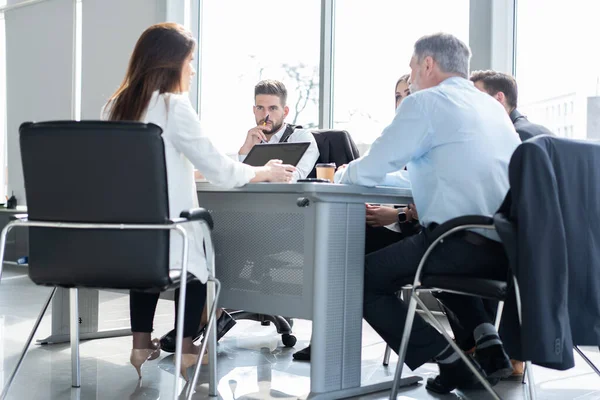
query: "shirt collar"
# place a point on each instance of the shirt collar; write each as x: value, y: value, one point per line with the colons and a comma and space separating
x: 279, y: 133
x: 456, y: 80
x: 515, y: 115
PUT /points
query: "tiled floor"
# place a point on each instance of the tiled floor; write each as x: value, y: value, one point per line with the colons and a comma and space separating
x: 252, y: 362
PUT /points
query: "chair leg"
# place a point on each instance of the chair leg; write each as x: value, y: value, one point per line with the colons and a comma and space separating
x: 528, y: 368
x: 74, y: 337
x: 587, y: 360
x: 27, y: 344
x: 386, y: 356
x: 457, y: 349
x: 179, y: 334
x: 499, y: 315
x: 212, y: 349
x: 530, y: 381
x: 7, y: 228
x: 410, y: 317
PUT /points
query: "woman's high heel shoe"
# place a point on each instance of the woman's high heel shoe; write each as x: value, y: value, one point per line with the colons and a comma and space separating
x: 189, y: 360
x: 140, y: 356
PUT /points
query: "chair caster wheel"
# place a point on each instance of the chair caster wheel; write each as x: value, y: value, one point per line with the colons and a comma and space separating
x: 288, y: 340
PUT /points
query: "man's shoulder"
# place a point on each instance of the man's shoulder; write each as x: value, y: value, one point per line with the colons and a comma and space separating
x: 525, y: 127
x: 432, y: 95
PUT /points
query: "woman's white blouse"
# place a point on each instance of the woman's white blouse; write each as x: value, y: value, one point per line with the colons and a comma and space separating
x: 186, y: 147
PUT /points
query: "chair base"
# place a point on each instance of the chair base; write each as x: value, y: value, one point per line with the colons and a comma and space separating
x: 282, y: 325
x: 362, y: 390
x: 64, y: 338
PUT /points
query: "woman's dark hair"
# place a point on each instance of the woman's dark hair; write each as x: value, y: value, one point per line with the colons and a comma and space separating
x: 156, y: 64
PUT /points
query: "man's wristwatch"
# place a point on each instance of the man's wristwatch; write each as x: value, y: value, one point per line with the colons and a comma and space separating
x: 401, y: 217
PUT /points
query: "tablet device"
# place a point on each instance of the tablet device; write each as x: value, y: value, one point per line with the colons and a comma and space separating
x: 288, y: 153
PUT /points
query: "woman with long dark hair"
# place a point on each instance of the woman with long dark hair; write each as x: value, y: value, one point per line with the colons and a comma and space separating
x: 155, y: 91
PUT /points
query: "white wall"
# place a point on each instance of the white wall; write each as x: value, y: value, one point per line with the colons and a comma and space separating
x: 3, y: 174
x: 110, y: 30
x: 39, y: 42
x: 40, y: 50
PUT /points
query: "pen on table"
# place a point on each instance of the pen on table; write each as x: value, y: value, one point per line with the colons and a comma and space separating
x: 265, y: 124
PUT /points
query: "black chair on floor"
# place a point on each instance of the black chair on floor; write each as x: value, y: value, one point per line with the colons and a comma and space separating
x: 98, y: 217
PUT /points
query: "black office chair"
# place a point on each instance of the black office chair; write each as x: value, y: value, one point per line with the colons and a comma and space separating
x: 98, y: 217
x: 335, y: 146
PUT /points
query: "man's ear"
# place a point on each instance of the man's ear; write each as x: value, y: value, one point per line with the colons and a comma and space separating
x: 501, y: 98
x: 286, y: 111
x: 429, y: 63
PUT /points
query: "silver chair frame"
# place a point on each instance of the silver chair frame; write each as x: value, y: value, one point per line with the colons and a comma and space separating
x: 412, y: 307
x: 388, y: 349
x: 212, y: 297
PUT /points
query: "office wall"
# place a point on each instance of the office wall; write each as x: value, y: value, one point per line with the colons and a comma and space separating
x: 110, y: 30
x: 39, y: 67
x: 39, y: 43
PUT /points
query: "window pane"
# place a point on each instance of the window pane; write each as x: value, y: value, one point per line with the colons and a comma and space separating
x: 561, y: 71
x: 245, y: 41
x: 373, y: 46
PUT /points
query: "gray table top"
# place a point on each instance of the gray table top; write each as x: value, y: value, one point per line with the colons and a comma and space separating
x: 320, y: 191
x: 306, y: 187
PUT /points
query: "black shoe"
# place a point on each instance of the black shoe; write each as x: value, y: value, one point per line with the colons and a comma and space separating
x: 224, y: 324
x: 455, y: 375
x: 302, y: 355
x: 494, y: 361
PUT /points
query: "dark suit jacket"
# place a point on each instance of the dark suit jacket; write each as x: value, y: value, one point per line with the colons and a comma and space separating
x: 549, y: 226
x: 334, y: 147
x: 526, y: 129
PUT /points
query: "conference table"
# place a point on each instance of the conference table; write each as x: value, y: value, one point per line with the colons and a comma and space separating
x: 294, y: 250
x: 297, y: 250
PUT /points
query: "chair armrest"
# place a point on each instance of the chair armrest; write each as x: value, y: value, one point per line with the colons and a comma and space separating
x: 461, y: 221
x: 196, y: 214
x: 20, y: 217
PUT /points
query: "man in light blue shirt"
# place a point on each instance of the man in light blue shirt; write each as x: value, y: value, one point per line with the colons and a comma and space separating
x: 456, y: 142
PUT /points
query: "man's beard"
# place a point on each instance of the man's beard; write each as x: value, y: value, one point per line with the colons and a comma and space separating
x: 274, y: 129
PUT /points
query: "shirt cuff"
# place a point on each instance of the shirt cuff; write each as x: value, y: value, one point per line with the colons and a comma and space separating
x: 395, y: 227
x: 337, y: 177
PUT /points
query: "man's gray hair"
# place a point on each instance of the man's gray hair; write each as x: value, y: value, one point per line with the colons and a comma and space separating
x: 451, y: 54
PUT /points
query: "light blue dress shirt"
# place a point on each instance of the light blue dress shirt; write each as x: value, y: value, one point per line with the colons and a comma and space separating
x: 456, y: 142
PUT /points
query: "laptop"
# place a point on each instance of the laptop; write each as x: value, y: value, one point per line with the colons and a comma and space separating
x: 288, y: 153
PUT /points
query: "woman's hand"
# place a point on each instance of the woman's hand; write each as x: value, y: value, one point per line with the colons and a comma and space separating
x: 274, y: 171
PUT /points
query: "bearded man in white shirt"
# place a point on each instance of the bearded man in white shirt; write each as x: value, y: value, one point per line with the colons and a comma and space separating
x: 270, y: 112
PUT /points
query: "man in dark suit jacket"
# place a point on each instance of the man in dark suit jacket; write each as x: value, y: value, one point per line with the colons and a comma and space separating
x: 503, y: 88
